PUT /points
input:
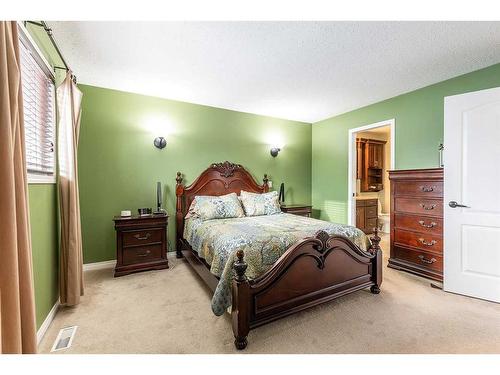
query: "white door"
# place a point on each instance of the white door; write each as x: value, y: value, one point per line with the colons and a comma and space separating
x: 472, y: 179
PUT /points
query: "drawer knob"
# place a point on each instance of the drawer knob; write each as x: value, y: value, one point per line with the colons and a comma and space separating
x: 427, y: 189
x: 145, y: 254
x: 431, y: 225
x: 427, y: 261
x: 424, y: 242
x: 428, y: 208
x: 145, y: 237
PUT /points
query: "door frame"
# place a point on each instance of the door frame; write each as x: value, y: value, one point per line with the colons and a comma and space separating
x: 351, y: 189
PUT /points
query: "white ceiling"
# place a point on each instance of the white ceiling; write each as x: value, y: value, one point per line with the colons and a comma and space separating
x: 304, y: 71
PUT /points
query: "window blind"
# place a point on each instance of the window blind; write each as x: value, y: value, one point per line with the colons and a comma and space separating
x: 39, y: 117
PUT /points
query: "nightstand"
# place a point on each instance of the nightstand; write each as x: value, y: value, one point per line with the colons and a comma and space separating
x: 141, y: 243
x: 297, y: 209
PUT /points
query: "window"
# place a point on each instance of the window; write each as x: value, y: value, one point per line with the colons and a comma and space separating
x: 39, y: 112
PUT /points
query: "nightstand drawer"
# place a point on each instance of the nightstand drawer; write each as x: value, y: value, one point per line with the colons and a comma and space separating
x: 142, y: 237
x: 142, y: 254
x: 301, y: 210
x: 305, y: 212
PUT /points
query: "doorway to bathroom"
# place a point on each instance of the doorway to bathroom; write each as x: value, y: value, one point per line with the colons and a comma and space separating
x: 371, y: 156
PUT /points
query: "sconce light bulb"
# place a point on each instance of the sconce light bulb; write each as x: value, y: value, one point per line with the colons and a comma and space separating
x: 275, y: 151
x: 160, y: 142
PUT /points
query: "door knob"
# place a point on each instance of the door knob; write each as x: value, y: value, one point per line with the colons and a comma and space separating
x: 454, y: 204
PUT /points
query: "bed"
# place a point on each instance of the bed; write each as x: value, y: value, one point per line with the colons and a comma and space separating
x: 306, y: 261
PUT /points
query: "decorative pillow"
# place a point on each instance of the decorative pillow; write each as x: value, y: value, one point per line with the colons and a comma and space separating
x: 213, y: 207
x: 260, y: 204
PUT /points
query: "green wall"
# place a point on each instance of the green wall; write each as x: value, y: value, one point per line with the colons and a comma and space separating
x: 419, y: 130
x: 44, y: 239
x: 119, y: 166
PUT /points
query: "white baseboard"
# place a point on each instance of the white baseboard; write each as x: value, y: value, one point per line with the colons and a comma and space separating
x: 46, y: 323
x: 99, y: 265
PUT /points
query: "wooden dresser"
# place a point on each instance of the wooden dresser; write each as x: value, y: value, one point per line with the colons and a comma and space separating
x: 417, y: 221
x: 297, y: 209
x: 141, y: 243
x: 366, y: 214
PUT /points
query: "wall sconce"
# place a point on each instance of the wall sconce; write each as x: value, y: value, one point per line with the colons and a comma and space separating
x: 275, y: 151
x: 275, y: 143
x: 160, y: 142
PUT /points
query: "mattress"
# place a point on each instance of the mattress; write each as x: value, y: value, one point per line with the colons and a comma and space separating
x: 262, y: 238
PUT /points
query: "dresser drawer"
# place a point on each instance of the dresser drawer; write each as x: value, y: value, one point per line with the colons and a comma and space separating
x: 141, y: 254
x: 424, y: 241
x: 420, y: 258
x: 431, y: 189
x: 142, y: 237
x: 427, y: 207
x: 423, y: 224
x: 366, y: 202
x: 371, y: 212
x: 370, y: 224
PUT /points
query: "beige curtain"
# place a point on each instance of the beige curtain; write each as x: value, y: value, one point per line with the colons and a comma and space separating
x: 71, y: 259
x: 18, y: 327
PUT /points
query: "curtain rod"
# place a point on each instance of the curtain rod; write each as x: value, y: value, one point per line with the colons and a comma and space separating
x: 48, y: 30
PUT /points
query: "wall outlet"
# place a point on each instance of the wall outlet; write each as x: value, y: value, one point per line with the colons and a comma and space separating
x: 270, y: 184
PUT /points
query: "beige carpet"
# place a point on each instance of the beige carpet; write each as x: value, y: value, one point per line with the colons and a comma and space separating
x: 169, y: 311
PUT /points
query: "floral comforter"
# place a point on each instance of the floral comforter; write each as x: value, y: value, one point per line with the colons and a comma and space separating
x: 263, y: 239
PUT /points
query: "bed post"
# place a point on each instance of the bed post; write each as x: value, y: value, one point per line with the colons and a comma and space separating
x: 179, y: 215
x: 266, y: 180
x: 376, y: 262
x: 240, y: 303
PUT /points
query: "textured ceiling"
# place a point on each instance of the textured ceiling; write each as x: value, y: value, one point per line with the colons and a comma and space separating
x: 304, y: 71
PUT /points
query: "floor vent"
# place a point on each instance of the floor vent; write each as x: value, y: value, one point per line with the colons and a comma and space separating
x: 64, y: 338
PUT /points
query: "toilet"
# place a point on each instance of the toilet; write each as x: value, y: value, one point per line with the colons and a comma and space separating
x: 384, y: 220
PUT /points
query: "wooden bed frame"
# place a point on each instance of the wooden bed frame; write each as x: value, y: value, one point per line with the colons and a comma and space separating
x: 312, y: 271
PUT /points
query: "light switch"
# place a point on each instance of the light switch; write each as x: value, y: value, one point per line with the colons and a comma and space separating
x: 270, y: 183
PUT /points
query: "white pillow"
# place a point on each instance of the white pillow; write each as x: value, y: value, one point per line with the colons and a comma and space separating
x: 256, y: 204
x: 209, y: 207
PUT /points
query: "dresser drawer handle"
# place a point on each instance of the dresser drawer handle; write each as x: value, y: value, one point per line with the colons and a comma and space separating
x: 427, y: 189
x: 145, y: 254
x: 427, y: 261
x: 139, y: 237
x: 424, y: 242
x: 428, y: 208
x: 431, y: 225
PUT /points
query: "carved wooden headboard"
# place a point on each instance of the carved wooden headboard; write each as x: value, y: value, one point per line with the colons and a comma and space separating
x: 217, y: 179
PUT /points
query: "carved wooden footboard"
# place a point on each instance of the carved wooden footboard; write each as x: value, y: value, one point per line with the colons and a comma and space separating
x: 312, y: 271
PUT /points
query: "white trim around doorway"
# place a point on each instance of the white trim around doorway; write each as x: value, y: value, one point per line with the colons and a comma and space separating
x: 351, y: 208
